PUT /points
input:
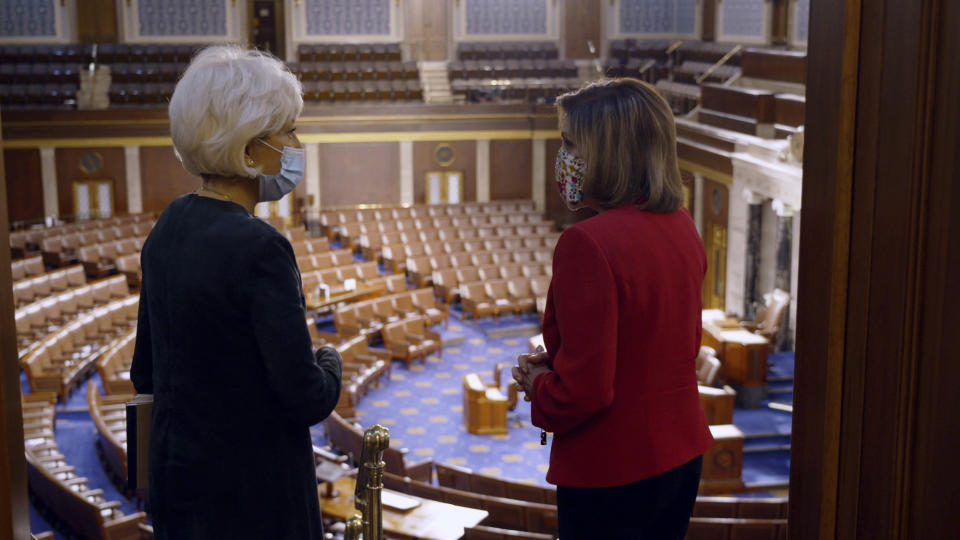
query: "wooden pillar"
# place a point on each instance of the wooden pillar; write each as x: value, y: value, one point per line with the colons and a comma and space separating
x: 582, y: 26
x: 97, y: 21
x: 14, y: 504
x: 875, y: 409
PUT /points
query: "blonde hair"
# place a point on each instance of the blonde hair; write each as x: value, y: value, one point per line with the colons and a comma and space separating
x: 227, y: 97
x: 625, y: 133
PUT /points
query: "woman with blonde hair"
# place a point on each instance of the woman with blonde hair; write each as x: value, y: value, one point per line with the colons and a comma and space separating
x: 617, y: 385
x: 222, y: 341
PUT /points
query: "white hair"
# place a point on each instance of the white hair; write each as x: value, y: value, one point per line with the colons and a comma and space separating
x: 227, y: 97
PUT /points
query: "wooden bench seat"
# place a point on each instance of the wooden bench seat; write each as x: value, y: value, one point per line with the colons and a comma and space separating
x: 348, y: 438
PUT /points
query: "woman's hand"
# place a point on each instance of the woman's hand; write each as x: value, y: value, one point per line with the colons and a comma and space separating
x: 528, y: 368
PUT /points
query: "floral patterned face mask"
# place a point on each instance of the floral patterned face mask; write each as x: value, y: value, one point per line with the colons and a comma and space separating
x: 570, y: 169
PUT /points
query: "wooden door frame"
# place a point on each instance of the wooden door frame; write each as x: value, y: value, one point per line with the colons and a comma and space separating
x: 14, y: 504
x: 874, y: 400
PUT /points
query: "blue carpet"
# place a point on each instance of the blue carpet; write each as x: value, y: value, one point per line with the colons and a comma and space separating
x: 762, y: 421
x: 766, y: 467
x: 781, y: 364
x: 76, y: 436
x: 40, y: 525
x: 423, y: 409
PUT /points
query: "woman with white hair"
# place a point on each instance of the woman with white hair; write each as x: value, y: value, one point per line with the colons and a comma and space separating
x: 222, y: 341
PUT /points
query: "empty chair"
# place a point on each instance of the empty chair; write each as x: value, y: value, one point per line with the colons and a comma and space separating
x: 409, y: 339
x: 475, y: 301
x: 426, y: 303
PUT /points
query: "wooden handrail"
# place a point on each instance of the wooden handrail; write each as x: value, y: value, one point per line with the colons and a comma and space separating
x: 719, y: 63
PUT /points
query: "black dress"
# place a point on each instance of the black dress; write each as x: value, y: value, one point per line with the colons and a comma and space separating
x: 223, y: 346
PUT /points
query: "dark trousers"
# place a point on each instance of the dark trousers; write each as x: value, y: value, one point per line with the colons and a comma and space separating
x: 656, y: 508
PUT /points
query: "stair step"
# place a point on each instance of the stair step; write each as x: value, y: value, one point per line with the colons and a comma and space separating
x: 780, y: 390
x: 779, y: 379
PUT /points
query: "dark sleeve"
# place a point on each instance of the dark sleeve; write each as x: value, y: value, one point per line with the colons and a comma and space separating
x: 584, y: 295
x: 141, y: 370
x: 308, y: 386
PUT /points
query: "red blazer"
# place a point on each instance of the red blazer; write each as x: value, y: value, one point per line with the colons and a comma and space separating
x: 622, y: 328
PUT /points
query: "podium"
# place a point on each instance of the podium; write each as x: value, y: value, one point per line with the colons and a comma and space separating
x: 484, y: 407
x: 723, y: 463
x: 743, y: 355
x: 717, y: 404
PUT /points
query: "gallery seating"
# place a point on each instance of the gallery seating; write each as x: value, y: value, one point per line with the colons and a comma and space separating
x: 39, y: 286
x: 26, y: 267
x: 464, y: 479
x: 483, y: 532
x: 56, y: 487
x: 36, y: 320
x: 706, y: 528
x: 65, y: 357
x: 110, y: 418
x: 363, y: 367
x: 348, y: 438
x: 504, y: 513
x: 114, y: 365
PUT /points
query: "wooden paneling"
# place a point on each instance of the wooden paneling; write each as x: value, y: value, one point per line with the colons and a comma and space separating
x: 786, y: 66
x: 24, y: 185
x: 511, y: 169
x: 68, y: 171
x: 465, y: 160
x: 163, y: 178
x: 582, y: 23
x: 97, y: 21
x: 931, y: 508
x: 14, y: 504
x: 726, y: 121
x: 706, y: 156
x: 359, y: 173
x: 372, y: 118
x: 749, y: 102
x: 708, y: 29
x: 790, y: 109
x: 874, y: 429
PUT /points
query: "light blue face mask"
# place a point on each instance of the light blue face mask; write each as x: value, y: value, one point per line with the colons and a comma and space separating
x: 292, y: 162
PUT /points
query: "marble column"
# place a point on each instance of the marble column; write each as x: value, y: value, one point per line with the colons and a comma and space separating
x: 539, y: 172
x: 483, y: 170
x: 406, y: 173
x: 751, y: 294
x: 48, y: 174
x: 131, y: 156
x: 784, y: 273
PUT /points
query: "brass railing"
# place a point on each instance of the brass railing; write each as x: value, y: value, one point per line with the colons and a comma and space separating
x: 369, y: 487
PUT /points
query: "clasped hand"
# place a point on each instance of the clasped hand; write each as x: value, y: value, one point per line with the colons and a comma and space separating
x: 528, y: 368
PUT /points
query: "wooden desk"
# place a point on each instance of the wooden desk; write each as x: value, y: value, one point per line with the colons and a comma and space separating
x: 743, y: 354
x: 431, y: 520
x: 362, y: 292
x: 723, y: 463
